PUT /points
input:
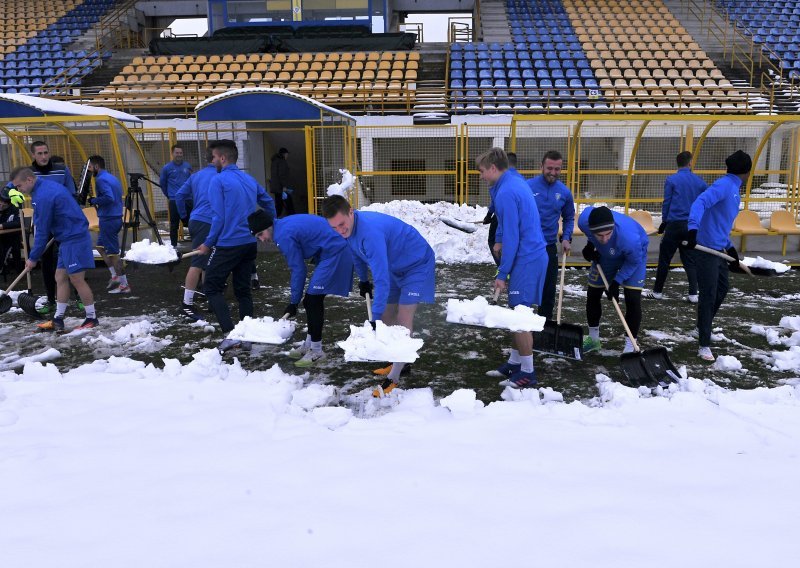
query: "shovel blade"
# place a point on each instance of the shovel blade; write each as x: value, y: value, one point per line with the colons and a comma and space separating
x: 27, y: 304
x: 5, y: 303
x: 458, y: 225
x: 649, y: 368
x: 564, y: 340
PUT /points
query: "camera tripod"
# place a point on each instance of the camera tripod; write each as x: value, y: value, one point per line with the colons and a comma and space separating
x: 136, y: 210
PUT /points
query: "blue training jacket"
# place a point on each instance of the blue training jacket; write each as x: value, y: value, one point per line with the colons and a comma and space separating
x: 389, y: 247
x: 302, y: 237
x: 55, y: 212
x: 628, y: 241
x: 680, y: 191
x: 714, y: 211
x: 492, y: 192
x: 554, y: 201
x: 517, y: 221
x: 233, y: 196
x: 173, y: 176
x: 196, y: 189
x: 109, y: 195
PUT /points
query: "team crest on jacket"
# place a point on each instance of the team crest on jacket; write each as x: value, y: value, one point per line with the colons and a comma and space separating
x: 558, y: 196
x: 612, y: 251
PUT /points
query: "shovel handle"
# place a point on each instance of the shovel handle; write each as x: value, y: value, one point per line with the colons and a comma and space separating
x: 369, y: 306
x: 561, y: 288
x: 16, y: 281
x: 723, y: 256
x: 24, y: 243
x: 616, y: 307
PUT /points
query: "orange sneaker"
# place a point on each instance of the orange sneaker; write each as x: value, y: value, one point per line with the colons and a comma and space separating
x: 55, y: 324
x: 383, y: 371
x: 386, y: 387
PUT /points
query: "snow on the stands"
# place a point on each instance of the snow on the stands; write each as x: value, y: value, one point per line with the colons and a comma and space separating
x: 263, y: 330
x: 450, y: 245
x: 391, y: 343
x: 121, y: 463
x: 479, y: 312
x: 146, y: 252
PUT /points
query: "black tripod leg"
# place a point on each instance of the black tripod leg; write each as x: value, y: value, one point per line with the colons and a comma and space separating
x: 144, y: 212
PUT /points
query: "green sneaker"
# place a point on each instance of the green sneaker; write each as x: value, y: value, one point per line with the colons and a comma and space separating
x: 590, y: 345
x: 46, y: 309
x: 310, y: 358
x: 79, y: 304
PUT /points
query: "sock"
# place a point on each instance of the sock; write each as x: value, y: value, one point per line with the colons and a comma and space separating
x: 514, y: 357
x: 112, y: 271
x: 123, y: 279
x: 307, y: 341
x: 61, y: 309
x: 188, y: 297
x: 594, y: 333
x: 254, y: 276
x: 527, y: 363
x: 90, y: 313
x: 316, y: 346
x: 394, y: 374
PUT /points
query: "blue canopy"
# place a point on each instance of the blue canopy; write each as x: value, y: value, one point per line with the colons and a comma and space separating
x: 14, y: 105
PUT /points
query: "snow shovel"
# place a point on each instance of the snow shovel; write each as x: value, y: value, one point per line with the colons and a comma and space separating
x: 562, y: 339
x: 649, y: 368
x: 5, y: 299
x: 463, y: 226
x: 27, y: 301
x: 742, y: 266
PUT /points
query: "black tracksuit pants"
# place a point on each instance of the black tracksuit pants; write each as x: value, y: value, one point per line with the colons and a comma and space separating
x: 712, y: 280
x: 223, y: 261
x: 674, y: 233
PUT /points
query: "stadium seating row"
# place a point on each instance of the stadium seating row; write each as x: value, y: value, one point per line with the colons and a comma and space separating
x: 323, y: 57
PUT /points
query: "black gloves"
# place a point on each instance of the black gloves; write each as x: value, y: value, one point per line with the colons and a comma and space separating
x: 731, y: 252
x: 613, y: 290
x: 291, y: 310
x: 661, y: 228
x: 691, y: 239
x: 372, y: 323
x: 590, y: 253
x: 488, y: 219
x: 365, y: 288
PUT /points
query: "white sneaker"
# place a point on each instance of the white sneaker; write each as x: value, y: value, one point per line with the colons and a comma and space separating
x: 628, y: 346
x: 692, y: 298
x: 310, y: 358
x: 121, y: 289
x: 705, y: 354
x: 651, y: 294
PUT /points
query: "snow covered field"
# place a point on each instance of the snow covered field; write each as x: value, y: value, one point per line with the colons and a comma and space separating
x: 137, y: 445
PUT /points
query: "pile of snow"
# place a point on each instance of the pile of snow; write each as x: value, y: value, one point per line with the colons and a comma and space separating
x: 450, y: 245
x: 761, y: 262
x: 480, y: 312
x: 146, y: 252
x: 342, y: 188
x: 14, y: 361
x: 776, y: 336
x: 121, y: 463
x: 263, y: 330
x: 135, y: 336
x: 727, y: 363
x: 391, y: 343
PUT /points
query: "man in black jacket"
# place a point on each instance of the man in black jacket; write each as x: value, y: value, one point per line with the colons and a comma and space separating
x: 279, y: 182
x: 10, y: 243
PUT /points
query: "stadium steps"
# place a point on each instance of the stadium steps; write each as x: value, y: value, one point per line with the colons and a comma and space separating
x: 494, y: 21
x: 111, y: 68
x: 431, y: 96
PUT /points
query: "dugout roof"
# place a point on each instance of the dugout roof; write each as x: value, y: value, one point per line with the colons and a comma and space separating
x: 25, y: 106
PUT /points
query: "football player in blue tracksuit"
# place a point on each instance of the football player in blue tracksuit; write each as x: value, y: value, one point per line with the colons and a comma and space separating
x: 555, y: 203
x: 710, y: 222
x: 173, y: 176
x: 195, y: 191
x: 402, y: 263
x: 233, y: 196
x: 108, y: 201
x: 301, y: 238
x: 57, y: 213
x: 491, y: 218
x: 619, y: 244
x: 522, y: 253
x: 680, y: 191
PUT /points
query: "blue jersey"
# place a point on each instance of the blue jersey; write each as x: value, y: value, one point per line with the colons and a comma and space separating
x: 389, y: 247
x: 554, y: 201
x: 57, y: 173
x: 629, y: 242
x: 233, y: 196
x: 55, y: 212
x: 714, y: 211
x: 680, y: 191
x: 492, y: 191
x: 302, y: 237
x: 173, y: 176
x: 196, y: 189
x: 518, y: 222
x: 109, y: 195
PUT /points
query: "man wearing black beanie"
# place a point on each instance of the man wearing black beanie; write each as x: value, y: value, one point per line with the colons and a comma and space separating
x: 710, y: 222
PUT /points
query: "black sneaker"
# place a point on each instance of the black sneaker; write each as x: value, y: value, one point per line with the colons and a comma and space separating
x: 254, y: 283
x: 190, y: 312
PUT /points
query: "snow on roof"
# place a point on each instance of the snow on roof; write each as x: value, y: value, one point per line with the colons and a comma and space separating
x: 52, y: 107
x: 270, y: 90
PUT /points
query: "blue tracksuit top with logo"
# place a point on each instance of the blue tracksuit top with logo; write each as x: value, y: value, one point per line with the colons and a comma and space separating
x: 628, y: 241
x: 196, y: 189
x: 714, y: 211
x: 109, y: 195
x: 388, y: 246
x: 492, y: 192
x: 233, y: 196
x: 173, y: 176
x: 680, y: 191
x: 55, y: 212
x: 302, y: 237
x: 518, y: 221
x: 554, y: 201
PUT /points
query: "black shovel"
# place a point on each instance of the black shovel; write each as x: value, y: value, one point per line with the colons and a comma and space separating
x: 562, y: 339
x: 27, y: 301
x: 5, y: 299
x: 649, y: 368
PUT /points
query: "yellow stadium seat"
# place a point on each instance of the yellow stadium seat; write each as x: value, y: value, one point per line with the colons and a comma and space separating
x: 747, y: 223
x: 783, y: 223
